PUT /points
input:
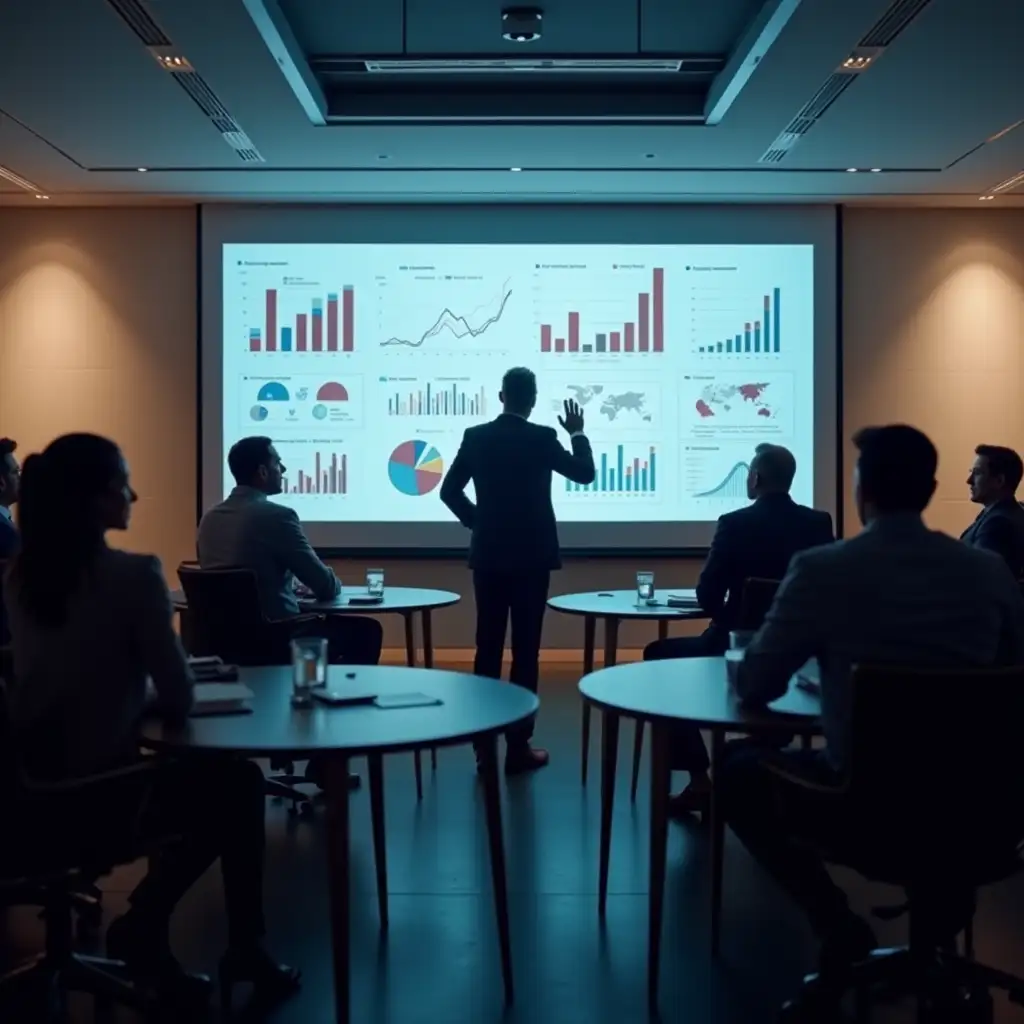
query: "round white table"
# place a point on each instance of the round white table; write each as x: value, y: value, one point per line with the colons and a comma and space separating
x: 614, y: 607
x: 665, y: 693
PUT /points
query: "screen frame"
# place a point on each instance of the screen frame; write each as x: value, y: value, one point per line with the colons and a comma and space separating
x: 827, y: 286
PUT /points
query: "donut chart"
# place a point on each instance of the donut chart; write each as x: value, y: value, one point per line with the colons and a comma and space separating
x: 415, y: 468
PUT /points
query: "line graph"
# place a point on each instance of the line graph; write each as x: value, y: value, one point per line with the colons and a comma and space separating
x: 458, y: 325
x: 733, y: 486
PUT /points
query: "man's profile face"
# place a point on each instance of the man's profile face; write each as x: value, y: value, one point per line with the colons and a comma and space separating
x: 10, y: 473
x: 983, y: 484
x: 272, y: 472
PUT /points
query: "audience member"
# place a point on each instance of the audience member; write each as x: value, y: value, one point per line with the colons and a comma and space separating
x: 993, y: 480
x: 247, y: 531
x: 8, y: 496
x: 757, y: 541
x: 91, y: 629
x: 514, y: 545
x: 896, y: 594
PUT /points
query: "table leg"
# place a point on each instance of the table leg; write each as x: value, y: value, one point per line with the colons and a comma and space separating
x: 380, y: 850
x: 427, y: 628
x: 717, y: 841
x: 609, y: 758
x: 488, y: 752
x: 589, y: 630
x: 661, y: 773
x: 337, y: 797
x: 410, y: 660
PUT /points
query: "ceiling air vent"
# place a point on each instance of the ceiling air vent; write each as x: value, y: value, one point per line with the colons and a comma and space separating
x: 504, y: 66
x: 1009, y: 183
x: 863, y: 56
x: 135, y: 15
x: 140, y: 21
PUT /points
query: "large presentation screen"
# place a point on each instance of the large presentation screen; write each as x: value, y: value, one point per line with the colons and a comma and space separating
x: 366, y: 362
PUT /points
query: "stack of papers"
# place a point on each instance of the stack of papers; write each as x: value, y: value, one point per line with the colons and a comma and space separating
x: 221, y: 699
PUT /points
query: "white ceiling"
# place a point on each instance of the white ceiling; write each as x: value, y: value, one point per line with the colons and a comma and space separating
x: 83, y: 105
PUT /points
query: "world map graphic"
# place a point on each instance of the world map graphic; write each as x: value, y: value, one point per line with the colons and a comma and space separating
x: 611, y: 405
x: 722, y: 398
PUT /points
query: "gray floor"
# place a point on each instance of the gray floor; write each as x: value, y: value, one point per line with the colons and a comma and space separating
x: 440, y: 960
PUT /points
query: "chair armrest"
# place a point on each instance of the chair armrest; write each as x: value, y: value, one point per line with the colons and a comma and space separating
x: 783, y: 768
x: 71, y: 786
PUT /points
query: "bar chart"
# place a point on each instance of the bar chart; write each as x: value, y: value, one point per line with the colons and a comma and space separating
x: 307, y: 331
x: 438, y: 398
x: 328, y: 474
x: 758, y: 336
x: 619, y: 472
x: 644, y: 333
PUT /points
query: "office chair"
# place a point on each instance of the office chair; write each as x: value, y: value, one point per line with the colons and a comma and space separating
x: 36, y: 867
x: 224, y: 619
x: 939, y: 830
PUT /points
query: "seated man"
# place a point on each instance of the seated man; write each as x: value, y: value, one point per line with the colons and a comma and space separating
x: 896, y: 594
x: 247, y: 531
x: 757, y: 541
x: 993, y: 480
x: 8, y: 496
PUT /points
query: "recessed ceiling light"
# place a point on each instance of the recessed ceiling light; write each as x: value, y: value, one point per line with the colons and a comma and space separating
x: 515, y: 168
x: 985, y: 199
x: 142, y: 170
x: 876, y: 170
x: 39, y: 196
x: 851, y: 170
x: 169, y: 60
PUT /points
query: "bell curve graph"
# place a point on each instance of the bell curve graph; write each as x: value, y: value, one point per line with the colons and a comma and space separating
x: 415, y: 468
x: 733, y: 486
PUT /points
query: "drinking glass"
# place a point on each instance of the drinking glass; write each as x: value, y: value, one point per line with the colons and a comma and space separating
x: 739, y: 640
x: 309, y: 668
x: 644, y: 586
x: 375, y: 582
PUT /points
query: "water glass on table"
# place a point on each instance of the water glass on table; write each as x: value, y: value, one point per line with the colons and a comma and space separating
x: 375, y: 582
x: 309, y: 668
x: 739, y: 641
x: 644, y: 587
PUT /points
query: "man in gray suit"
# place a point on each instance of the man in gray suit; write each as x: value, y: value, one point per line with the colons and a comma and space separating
x: 993, y: 480
x: 896, y: 594
x: 247, y: 531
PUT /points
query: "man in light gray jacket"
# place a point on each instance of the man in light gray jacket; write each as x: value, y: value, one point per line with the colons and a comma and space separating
x: 248, y: 531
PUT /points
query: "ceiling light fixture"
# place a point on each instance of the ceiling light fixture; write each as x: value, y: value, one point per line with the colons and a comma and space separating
x: 876, y: 170
x: 17, y: 179
x: 521, y: 24
x: 985, y: 199
x: 860, y: 60
x: 851, y: 170
x: 515, y: 168
x: 169, y: 60
x: 142, y: 170
x: 39, y: 196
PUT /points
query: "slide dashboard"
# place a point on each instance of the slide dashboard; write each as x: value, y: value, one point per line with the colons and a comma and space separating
x: 366, y: 362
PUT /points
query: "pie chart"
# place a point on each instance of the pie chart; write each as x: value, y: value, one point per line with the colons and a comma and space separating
x: 415, y: 468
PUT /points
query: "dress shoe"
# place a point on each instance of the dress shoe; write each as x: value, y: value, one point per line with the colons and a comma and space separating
x: 271, y: 982
x: 529, y: 759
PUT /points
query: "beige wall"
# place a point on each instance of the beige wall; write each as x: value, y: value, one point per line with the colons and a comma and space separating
x: 934, y: 336
x: 98, y: 321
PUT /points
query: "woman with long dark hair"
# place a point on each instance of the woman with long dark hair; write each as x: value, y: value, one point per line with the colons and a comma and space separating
x: 91, y: 630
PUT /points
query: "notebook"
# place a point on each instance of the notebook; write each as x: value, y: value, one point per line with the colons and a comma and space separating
x: 221, y: 699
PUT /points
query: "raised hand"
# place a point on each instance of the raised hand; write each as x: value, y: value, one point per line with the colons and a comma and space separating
x: 572, y: 421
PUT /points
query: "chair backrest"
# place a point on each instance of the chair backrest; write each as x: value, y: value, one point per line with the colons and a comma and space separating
x: 224, y: 615
x: 936, y: 756
x: 755, y: 600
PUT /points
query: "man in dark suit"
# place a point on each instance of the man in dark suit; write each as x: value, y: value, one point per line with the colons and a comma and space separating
x: 514, y: 545
x: 9, y: 474
x: 754, y: 542
x: 993, y: 480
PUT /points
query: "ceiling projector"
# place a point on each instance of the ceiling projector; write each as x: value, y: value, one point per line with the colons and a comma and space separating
x: 521, y: 24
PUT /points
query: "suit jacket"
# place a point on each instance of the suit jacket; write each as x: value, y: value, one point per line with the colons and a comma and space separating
x: 8, y: 538
x: 758, y: 540
x: 247, y: 531
x: 510, y: 462
x: 896, y: 594
x: 1000, y: 528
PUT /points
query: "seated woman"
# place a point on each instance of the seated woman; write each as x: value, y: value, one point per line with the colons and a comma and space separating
x: 91, y: 631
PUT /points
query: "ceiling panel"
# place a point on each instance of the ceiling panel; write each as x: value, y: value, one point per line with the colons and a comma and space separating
x: 347, y: 29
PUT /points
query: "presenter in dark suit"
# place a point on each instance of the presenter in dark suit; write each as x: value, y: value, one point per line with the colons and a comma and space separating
x: 8, y: 496
x: 514, y: 545
x: 754, y: 542
x: 993, y: 480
